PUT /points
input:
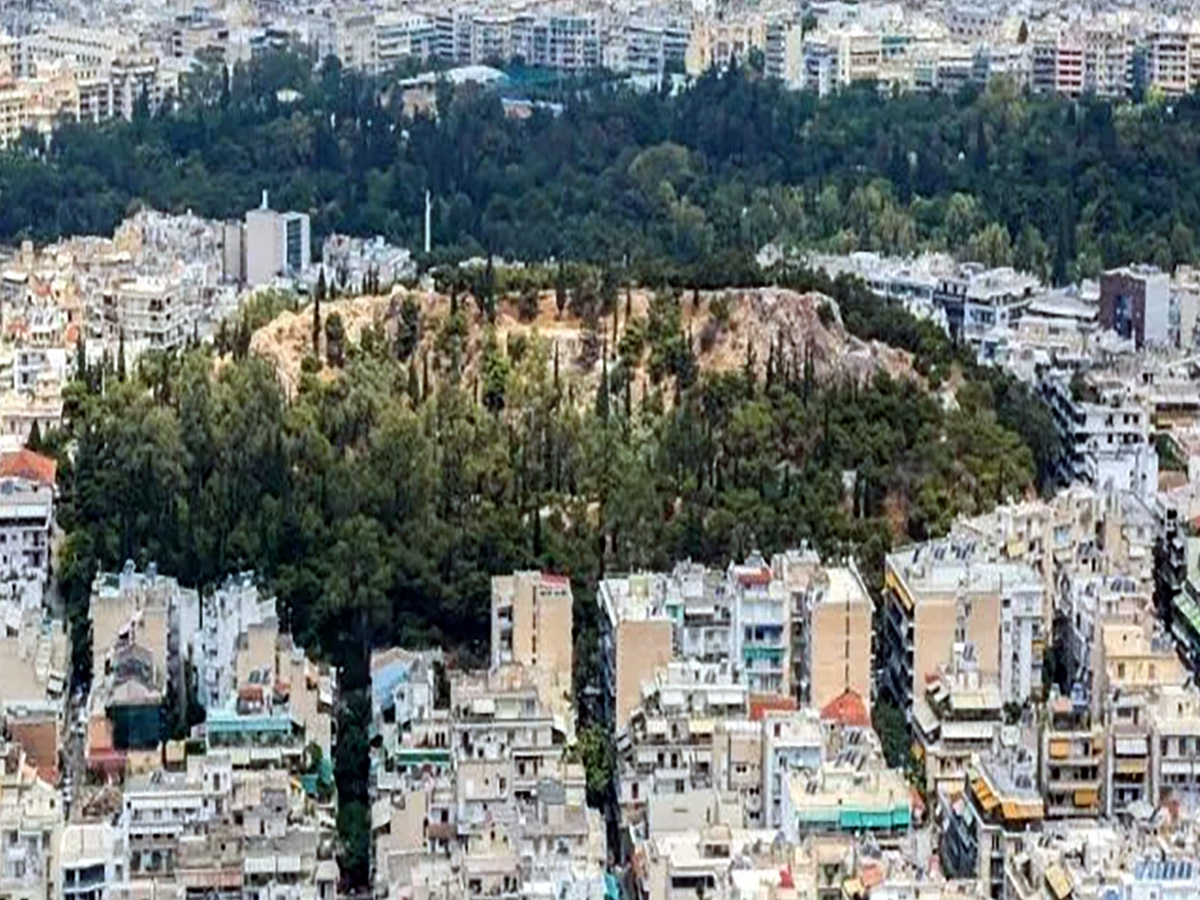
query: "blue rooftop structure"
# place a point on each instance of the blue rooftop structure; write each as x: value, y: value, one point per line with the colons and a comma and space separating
x: 385, y: 681
x: 1164, y: 870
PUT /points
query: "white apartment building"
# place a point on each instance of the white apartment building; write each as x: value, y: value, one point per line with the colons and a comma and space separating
x: 91, y: 858
x: 147, y: 313
x: 762, y: 615
x: 27, y: 487
x: 276, y: 244
x: 213, y: 628
x: 1106, y: 432
x: 31, y: 820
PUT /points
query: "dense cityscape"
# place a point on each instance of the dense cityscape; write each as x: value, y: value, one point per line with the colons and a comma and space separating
x: 573, y: 451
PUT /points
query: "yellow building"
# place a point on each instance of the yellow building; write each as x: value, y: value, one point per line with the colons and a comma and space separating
x: 713, y: 43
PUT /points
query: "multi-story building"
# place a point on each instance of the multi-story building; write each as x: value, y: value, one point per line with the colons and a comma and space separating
x: 1106, y: 433
x: 635, y: 640
x: 977, y: 299
x: 31, y: 822
x: 276, y: 244
x: 1073, y: 761
x: 762, y: 613
x: 1135, y: 302
x: 690, y: 732
x: 27, y: 486
x: 948, y: 593
x: 91, y: 859
x: 831, y: 632
x: 221, y: 621
x: 1134, y: 662
x: 715, y: 43
x: 1175, y: 749
x: 144, y: 313
x: 532, y: 621
x: 989, y: 822
x: 853, y: 791
x: 959, y: 716
x: 478, y: 799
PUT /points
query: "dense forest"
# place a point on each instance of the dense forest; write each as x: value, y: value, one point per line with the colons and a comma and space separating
x: 715, y: 171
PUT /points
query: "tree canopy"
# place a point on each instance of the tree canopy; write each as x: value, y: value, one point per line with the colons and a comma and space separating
x: 691, y: 179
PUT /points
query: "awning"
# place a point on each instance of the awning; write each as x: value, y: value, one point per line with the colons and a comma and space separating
x: 1134, y: 746
x: 987, y: 800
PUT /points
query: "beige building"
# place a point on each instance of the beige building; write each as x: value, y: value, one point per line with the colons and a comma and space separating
x: 532, y: 622
x: 135, y: 604
x: 948, y: 593
x: 1073, y: 760
x: 714, y: 42
x: 635, y: 641
x: 834, y: 618
x: 1134, y: 664
x: 31, y: 822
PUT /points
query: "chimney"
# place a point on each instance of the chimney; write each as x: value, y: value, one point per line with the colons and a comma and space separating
x: 265, y: 204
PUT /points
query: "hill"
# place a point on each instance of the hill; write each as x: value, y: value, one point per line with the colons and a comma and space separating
x: 726, y: 329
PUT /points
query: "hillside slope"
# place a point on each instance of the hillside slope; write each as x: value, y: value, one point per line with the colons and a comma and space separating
x: 726, y: 329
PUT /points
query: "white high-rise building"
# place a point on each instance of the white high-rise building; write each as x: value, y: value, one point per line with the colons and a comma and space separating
x: 277, y: 243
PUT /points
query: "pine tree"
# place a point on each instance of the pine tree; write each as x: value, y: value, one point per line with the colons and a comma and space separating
x: 34, y: 441
x: 602, y: 393
x: 318, y: 295
x: 81, y: 367
x: 121, y: 356
x: 414, y: 385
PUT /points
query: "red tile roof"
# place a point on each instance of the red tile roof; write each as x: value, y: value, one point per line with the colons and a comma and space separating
x: 847, y: 709
x: 756, y: 577
x: 761, y: 704
x: 26, y: 464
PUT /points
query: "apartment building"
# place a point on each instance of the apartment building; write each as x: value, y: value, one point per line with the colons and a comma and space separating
x: 1135, y: 302
x: 1171, y: 56
x: 977, y: 299
x: 1175, y: 749
x: 146, y: 313
x: 947, y: 593
x: 853, y: 791
x: 1085, y: 602
x: 226, y: 829
x: 762, y: 613
x: 478, y: 799
x: 832, y: 633
x: 276, y: 244
x: 716, y: 43
x: 1106, y: 433
x: 1134, y: 663
x: 532, y: 618
x: 987, y: 823
x: 27, y: 489
x: 959, y: 716
x: 216, y: 625
x: 91, y: 858
x: 31, y: 822
x: 690, y: 731
x: 636, y: 639
x: 791, y: 741
x: 1073, y: 761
